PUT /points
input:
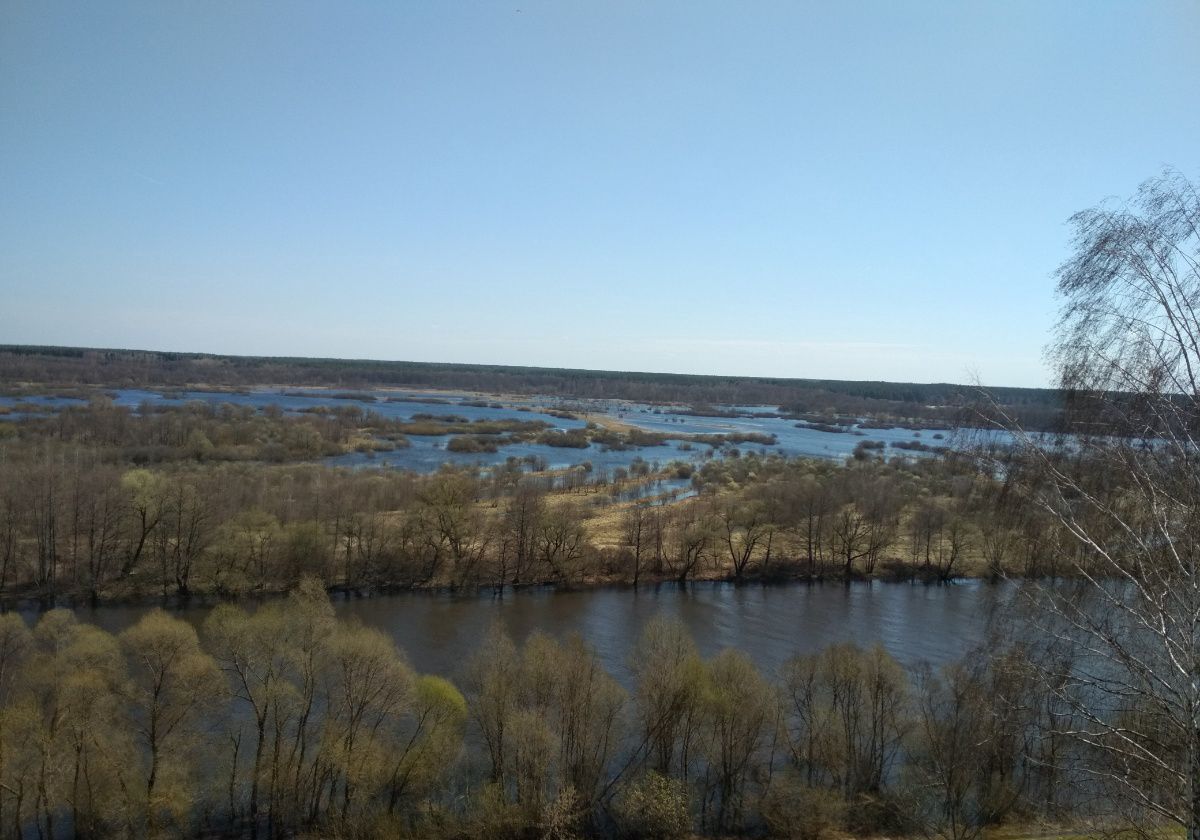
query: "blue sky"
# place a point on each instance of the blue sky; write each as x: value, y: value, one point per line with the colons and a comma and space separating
x: 862, y: 190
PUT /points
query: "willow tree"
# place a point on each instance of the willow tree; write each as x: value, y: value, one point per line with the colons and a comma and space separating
x: 1125, y: 490
x: 172, y: 684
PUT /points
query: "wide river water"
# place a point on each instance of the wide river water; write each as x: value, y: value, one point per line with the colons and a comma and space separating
x: 915, y: 622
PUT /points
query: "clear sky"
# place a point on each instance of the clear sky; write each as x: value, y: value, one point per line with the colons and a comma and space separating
x: 863, y: 190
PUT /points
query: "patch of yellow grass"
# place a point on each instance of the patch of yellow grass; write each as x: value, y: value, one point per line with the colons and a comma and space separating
x: 605, y: 421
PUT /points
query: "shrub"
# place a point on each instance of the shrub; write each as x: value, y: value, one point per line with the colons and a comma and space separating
x: 562, y: 818
x: 492, y: 815
x: 795, y: 811
x: 573, y: 439
x: 472, y: 443
x: 654, y: 808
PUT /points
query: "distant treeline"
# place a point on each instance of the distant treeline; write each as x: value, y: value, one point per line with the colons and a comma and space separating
x: 1034, y: 408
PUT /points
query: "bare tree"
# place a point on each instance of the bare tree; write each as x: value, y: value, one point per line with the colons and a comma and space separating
x: 744, y: 524
x: 635, y: 527
x: 523, y: 512
x: 1125, y: 492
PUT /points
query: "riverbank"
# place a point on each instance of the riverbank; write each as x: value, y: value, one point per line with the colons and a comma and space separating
x: 32, y: 599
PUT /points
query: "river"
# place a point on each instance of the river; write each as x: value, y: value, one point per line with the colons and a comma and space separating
x: 439, y: 631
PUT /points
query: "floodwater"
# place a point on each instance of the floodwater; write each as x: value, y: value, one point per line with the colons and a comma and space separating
x: 427, y: 454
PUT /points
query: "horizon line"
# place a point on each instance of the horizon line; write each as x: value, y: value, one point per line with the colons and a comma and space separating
x: 5, y: 348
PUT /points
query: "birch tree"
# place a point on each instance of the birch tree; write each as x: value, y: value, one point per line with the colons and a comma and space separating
x: 1124, y: 634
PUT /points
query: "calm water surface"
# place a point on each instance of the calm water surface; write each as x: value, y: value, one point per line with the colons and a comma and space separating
x: 439, y: 631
